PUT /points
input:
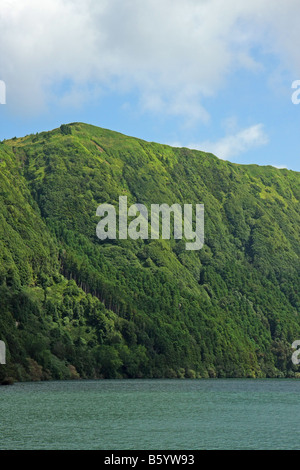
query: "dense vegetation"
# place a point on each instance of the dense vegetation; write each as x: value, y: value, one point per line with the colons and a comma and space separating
x: 74, y: 306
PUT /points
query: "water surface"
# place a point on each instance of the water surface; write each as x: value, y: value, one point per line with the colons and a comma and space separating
x: 151, y: 414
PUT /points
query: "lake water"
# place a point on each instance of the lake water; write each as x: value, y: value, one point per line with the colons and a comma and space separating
x: 151, y: 415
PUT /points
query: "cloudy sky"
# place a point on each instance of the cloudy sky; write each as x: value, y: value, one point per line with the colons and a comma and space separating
x: 215, y: 75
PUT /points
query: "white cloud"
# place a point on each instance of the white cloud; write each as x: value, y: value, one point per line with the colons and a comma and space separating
x: 173, y: 53
x: 235, y: 144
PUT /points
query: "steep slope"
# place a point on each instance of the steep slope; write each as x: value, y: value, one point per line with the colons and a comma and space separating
x: 72, y: 304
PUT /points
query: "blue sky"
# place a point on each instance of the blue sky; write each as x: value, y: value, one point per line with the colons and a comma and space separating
x: 215, y: 75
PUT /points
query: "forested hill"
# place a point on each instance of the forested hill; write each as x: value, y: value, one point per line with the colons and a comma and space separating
x: 73, y: 306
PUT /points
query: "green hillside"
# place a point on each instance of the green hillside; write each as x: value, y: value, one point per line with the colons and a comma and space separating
x: 74, y: 306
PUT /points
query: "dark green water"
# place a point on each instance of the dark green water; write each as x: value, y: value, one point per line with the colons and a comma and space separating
x: 151, y: 415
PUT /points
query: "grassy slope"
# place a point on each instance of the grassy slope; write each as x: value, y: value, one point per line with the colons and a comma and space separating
x: 144, y: 308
